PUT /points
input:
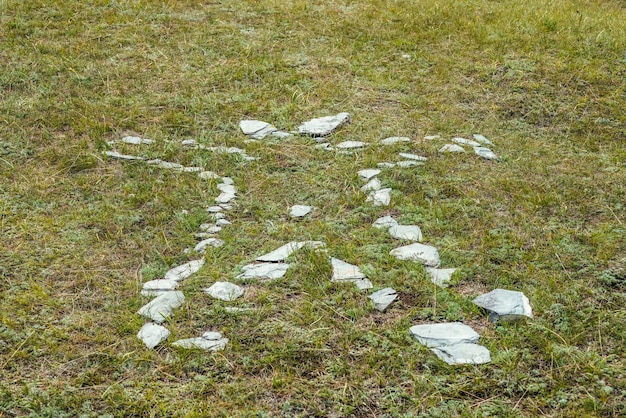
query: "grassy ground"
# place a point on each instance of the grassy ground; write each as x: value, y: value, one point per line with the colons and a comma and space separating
x: 545, y: 81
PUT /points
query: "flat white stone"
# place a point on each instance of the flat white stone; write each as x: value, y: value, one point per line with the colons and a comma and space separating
x: 206, y: 175
x: 325, y: 146
x: 380, y: 197
x: 214, y: 209
x: 115, y: 154
x: 225, y: 197
x: 447, y: 333
x: 463, y: 353
x: 200, y: 343
x: 227, y: 180
x: 409, y: 163
x: 269, y: 271
x: 373, y: 184
x: 281, y: 134
x: 152, y: 334
x: 256, y: 129
x: 440, y: 277
x: 162, y: 307
x: 408, y: 232
x: 482, y: 139
x: 224, y: 291
x: 344, y: 271
x: 284, y: 251
x: 227, y: 188
x: 412, y: 156
x: 506, y: 305
x: 226, y: 206
x: 227, y: 150
x: 464, y: 141
x: 385, y: 222
x: 383, y: 298
x: 192, y: 169
x: 362, y: 284
x: 368, y: 173
x: 222, y: 222
x: 386, y: 165
x: 217, y: 215
x: 451, y: 148
x: 394, y: 140
x: 189, y: 142
x: 185, y: 270
x: 209, y: 242
x: 431, y: 137
x: 165, y: 164
x: 298, y: 211
x: 212, y: 335
x: 213, y: 229
x: 351, y: 144
x: 323, y: 126
x: 135, y: 140
x: 425, y: 254
x: 160, y: 284
x: 233, y: 309
x: 485, y: 153
x: 153, y: 292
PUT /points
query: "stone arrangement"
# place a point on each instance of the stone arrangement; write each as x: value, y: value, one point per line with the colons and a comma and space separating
x: 454, y: 343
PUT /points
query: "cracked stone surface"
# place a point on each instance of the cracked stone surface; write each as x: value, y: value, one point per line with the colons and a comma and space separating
x: 373, y: 184
x: 447, y: 333
x: 269, y: 271
x: 323, y: 126
x: 395, y: 140
x: 152, y: 334
x: 485, y: 153
x: 440, y: 277
x: 412, y: 156
x: 383, y: 298
x: 284, y: 251
x: 185, y: 270
x: 425, y: 254
x: 506, y: 305
x: 464, y: 141
x: 451, y: 148
x: 368, y: 173
x: 384, y: 222
x: 408, y: 232
x: 380, y: 197
x: 256, y: 129
x: 162, y: 307
x: 224, y: 291
x: 299, y: 211
x: 463, y: 353
x: 482, y: 139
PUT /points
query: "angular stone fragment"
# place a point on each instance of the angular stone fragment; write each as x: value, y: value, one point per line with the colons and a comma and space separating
x: 115, y: 154
x: 222, y: 222
x: 299, y: 211
x: 408, y: 232
x: 201, y: 343
x: 153, y: 292
x: 425, y: 254
x: 464, y: 141
x: 185, y: 270
x: 192, y: 169
x: 409, y: 163
x: 162, y: 307
x: 394, y: 140
x: 281, y: 134
x: 227, y: 180
x: 386, y: 165
x: 214, y: 209
x: 506, y: 305
x: 210, y: 229
x: 160, y: 284
x: 325, y: 146
x: 385, y: 222
x: 152, y: 334
x: 482, y: 139
x: 225, y: 197
x: 344, y: 271
x: 284, y: 251
x: 323, y: 126
x: 380, y: 197
x: 362, y: 284
x: 451, y: 148
x: 412, y: 156
x: 440, y: 277
x: 227, y: 188
x: 209, y: 242
x: 368, y: 173
x: 206, y: 175
x: 431, y: 137
x: 485, y: 153
x: 383, y: 298
x: 165, y: 164
x: 373, y: 184
x: 447, y: 333
x: 269, y: 271
x: 135, y: 140
x: 224, y: 291
x: 256, y: 129
x: 351, y: 144
x: 463, y: 353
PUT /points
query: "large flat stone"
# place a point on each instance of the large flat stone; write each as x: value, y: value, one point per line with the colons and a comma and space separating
x: 162, y: 307
x: 323, y: 126
x: 344, y: 271
x: 224, y: 291
x: 408, y: 232
x: 482, y: 139
x: 299, y: 211
x: 269, y: 271
x: 463, y: 353
x: 135, y: 140
x: 464, y: 141
x: 152, y: 334
x: 384, y: 222
x: 380, y: 197
x: 284, y: 251
x: 368, y: 173
x: 425, y: 254
x: 256, y: 129
x: 185, y: 270
x: 160, y: 284
x: 200, y: 343
x: 451, y: 148
x: 485, y: 153
x: 413, y: 157
x: 440, y: 277
x: 209, y: 242
x: 447, y: 333
x: 373, y: 184
x: 506, y: 305
x: 395, y: 140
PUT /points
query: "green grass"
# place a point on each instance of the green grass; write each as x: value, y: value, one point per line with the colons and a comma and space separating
x: 545, y: 81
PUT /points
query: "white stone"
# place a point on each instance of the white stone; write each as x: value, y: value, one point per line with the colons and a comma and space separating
x: 408, y: 232
x: 394, y: 140
x: 362, y: 284
x: 325, y: 146
x: 224, y: 291
x: 464, y: 141
x: 383, y: 298
x: 431, y: 137
x: 482, y: 139
x: 385, y: 222
x: 298, y: 211
x: 351, y: 145
x: 506, y: 305
x: 152, y: 334
x: 281, y: 134
x: 217, y: 215
x: 206, y: 175
x: 201, y: 344
x: 185, y: 270
x: 212, y: 229
x: 368, y: 173
x: 189, y: 142
x: 447, y: 333
x: 373, y: 184
x: 225, y: 197
x: 115, y: 154
x: 222, y: 222
x: 284, y: 251
x: 135, y: 140
x: 214, y: 209
x: 212, y: 335
x: 226, y: 206
x: 409, y: 163
x: 463, y: 353
x: 386, y: 165
x: 160, y: 284
x: 323, y: 126
x: 165, y: 164
x: 412, y: 156
x: 192, y: 169
x: 162, y: 307
x: 227, y: 180
x: 425, y: 254
x: 227, y: 188
x: 256, y: 129
x: 485, y: 153
x: 203, y: 235
x: 440, y: 277
x: 153, y: 292
x: 209, y: 242
x: 269, y: 271
x: 380, y: 197
x: 344, y: 271
x: 451, y: 148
